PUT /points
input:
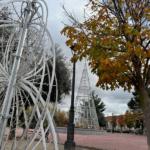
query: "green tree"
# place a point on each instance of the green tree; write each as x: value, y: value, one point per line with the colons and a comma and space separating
x: 100, y: 107
x: 102, y: 120
x: 116, y: 41
x: 62, y: 75
x: 134, y: 103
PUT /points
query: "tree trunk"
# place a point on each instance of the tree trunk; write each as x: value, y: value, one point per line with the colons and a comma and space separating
x: 147, y: 123
x: 146, y: 110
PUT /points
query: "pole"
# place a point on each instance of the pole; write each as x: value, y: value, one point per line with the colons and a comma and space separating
x: 70, y: 144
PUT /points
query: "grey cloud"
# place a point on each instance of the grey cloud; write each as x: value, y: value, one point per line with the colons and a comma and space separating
x: 118, y: 96
x: 115, y: 109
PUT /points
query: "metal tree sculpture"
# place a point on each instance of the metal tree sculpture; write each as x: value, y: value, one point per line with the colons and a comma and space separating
x: 85, y: 114
x: 26, y: 75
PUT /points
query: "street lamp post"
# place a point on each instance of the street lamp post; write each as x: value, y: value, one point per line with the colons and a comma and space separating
x: 70, y: 144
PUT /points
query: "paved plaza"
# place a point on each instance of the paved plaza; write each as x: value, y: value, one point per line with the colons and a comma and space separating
x: 99, y: 141
x: 109, y: 141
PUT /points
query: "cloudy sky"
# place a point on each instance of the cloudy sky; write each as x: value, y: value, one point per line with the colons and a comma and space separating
x: 116, y: 101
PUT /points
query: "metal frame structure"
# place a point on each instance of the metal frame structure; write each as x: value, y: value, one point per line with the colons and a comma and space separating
x: 85, y: 111
x: 27, y: 51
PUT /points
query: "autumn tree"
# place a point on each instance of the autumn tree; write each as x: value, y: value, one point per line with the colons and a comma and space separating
x: 116, y: 41
x: 134, y: 119
x: 129, y: 119
x: 61, y: 118
x: 121, y: 121
x: 114, y: 123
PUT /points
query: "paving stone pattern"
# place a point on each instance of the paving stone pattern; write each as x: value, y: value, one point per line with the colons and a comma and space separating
x: 110, y: 141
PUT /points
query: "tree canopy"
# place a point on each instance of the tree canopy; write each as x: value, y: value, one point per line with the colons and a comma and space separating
x: 116, y: 41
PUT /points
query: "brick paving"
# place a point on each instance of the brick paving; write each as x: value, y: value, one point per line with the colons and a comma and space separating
x: 104, y: 141
x: 109, y: 141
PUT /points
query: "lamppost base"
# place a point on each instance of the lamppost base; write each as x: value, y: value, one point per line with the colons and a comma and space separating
x: 69, y: 145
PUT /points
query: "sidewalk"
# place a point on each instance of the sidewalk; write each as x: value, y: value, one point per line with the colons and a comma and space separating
x: 109, y: 141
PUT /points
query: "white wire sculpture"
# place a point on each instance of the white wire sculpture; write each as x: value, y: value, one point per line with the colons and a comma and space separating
x: 85, y: 113
x: 27, y: 76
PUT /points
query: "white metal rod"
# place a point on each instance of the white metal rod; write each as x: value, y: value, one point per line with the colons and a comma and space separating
x: 12, y: 79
